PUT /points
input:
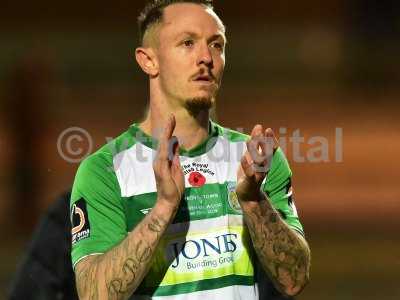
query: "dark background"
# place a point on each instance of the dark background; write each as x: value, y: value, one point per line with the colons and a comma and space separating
x: 309, y: 65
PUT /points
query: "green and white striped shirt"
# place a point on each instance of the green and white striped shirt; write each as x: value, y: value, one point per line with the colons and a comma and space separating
x: 206, y: 252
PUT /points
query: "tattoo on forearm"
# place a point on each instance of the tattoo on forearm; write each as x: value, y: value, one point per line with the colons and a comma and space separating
x: 156, y: 226
x: 120, y: 271
x: 283, y: 254
x: 87, y: 283
x: 137, y: 254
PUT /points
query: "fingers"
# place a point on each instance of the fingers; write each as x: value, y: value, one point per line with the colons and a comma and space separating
x: 269, y: 144
x: 261, y: 147
x: 257, y: 131
x: 177, y: 171
x: 257, y: 145
x: 173, y: 148
x: 168, y: 146
x: 246, y: 166
x: 269, y: 133
x: 173, y: 152
x: 167, y: 143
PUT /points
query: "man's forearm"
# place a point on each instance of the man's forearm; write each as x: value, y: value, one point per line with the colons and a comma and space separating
x: 284, y: 254
x: 117, y: 273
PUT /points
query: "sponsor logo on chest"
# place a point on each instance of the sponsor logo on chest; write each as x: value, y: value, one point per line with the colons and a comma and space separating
x: 210, y: 251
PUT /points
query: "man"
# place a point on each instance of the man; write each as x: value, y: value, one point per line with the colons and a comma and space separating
x: 157, y: 216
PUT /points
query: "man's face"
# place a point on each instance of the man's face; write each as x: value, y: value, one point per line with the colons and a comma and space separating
x: 191, y: 53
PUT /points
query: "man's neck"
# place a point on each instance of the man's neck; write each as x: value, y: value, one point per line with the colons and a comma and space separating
x: 190, y: 130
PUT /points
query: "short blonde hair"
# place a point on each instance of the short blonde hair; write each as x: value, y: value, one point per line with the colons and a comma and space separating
x: 153, y: 12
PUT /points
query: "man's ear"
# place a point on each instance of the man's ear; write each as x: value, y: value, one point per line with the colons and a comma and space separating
x: 146, y: 59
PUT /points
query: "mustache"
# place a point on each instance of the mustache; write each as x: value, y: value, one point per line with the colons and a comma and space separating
x: 203, y: 72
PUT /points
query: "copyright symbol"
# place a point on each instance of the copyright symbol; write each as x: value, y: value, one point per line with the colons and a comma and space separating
x: 71, y: 144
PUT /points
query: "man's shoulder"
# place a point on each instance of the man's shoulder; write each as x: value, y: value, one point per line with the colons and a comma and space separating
x: 232, y: 135
x: 103, y: 157
x: 96, y: 172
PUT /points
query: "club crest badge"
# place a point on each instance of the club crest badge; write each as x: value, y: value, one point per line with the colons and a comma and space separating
x: 233, y: 199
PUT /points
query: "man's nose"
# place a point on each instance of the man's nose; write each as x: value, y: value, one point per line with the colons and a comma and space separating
x: 205, y: 56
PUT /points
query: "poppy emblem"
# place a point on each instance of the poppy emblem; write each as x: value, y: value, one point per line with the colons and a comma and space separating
x: 196, y: 179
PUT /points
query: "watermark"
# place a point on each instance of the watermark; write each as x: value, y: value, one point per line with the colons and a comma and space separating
x: 315, y: 149
x: 70, y: 144
x: 74, y: 144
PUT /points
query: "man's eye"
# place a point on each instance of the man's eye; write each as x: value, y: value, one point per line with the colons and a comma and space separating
x: 188, y: 43
x: 217, y: 46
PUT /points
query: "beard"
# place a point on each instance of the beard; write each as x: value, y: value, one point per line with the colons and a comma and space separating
x: 197, y: 105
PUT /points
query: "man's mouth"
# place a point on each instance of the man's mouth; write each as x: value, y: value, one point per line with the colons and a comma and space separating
x: 204, y: 78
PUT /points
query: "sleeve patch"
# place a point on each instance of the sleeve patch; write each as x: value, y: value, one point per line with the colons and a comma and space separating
x: 80, y: 221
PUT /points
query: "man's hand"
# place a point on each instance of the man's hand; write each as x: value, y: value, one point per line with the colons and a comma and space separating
x: 282, y: 252
x: 167, y: 168
x: 255, y: 164
x: 116, y: 274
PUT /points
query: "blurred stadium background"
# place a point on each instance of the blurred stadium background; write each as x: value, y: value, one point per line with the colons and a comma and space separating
x: 309, y: 65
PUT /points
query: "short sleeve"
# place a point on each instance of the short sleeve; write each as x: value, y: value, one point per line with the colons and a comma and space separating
x: 278, y: 187
x: 97, y: 211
